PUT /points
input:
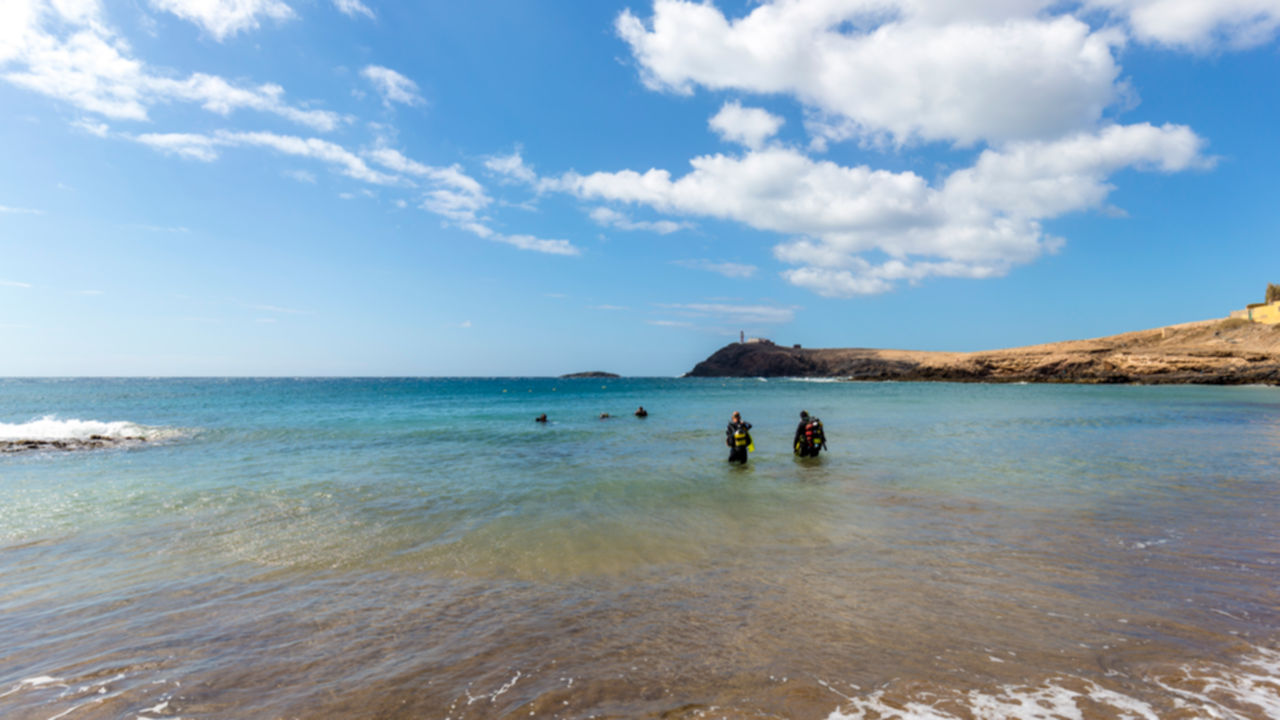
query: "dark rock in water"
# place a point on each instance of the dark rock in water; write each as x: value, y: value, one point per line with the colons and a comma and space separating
x: 93, y: 442
x: 592, y: 374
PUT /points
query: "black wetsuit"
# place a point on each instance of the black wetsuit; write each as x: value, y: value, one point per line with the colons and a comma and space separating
x: 737, y: 453
x: 801, y: 443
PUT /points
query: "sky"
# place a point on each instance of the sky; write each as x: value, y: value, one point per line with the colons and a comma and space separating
x: 538, y: 187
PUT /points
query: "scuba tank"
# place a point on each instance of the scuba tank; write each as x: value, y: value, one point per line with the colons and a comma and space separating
x: 813, y: 433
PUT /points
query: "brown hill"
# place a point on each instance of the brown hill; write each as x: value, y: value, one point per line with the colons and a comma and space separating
x: 1220, y: 352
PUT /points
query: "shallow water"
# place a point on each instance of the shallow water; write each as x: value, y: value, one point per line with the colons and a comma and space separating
x: 422, y: 548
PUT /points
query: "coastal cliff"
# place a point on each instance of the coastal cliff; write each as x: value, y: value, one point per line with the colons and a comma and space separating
x: 1218, y: 352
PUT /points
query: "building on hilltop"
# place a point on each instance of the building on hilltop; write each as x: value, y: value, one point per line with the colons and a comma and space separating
x: 1267, y: 311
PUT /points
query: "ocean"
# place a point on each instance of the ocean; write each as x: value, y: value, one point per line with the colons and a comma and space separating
x: 421, y: 548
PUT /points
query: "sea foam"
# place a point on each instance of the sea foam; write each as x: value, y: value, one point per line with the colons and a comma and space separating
x: 50, y: 429
x: 1244, y: 690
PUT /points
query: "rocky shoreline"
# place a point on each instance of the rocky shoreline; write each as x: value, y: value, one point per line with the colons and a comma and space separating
x: 93, y: 442
x: 1212, y: 352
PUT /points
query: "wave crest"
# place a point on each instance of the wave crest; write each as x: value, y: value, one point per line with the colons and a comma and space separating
x: 51, y: 429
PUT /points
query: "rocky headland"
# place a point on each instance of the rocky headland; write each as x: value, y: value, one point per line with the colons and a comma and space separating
x: 1217, y: 352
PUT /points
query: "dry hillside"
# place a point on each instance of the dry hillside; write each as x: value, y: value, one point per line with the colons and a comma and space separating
x: 1211, y: 351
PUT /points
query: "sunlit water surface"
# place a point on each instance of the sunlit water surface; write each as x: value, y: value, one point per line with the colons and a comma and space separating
x: 423, y: 549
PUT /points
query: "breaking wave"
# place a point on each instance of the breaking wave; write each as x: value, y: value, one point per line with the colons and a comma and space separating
x: 51, y: 429
x: 1246, y: 690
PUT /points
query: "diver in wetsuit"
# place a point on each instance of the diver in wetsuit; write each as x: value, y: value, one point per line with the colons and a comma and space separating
x: 737, y: 437
x: 809, y: 439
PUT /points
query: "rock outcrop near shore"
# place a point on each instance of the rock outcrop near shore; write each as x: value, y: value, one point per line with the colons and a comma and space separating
x: 93, y: 442
x: 1217, y: 352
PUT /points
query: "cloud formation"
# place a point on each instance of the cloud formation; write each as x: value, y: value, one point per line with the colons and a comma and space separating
x: 66, y: 51
x: 734, y: 313
x: 445, y: 191
x: 222, y: 18
x: 351, y: 8
x: 608, y: 217
x: 196, y: 146
x: 745, y: 126
x: 929, y: 70
x: 727, y: 269
x: 1197, y: 24
x: 978, y: 222
x: 394, y: 87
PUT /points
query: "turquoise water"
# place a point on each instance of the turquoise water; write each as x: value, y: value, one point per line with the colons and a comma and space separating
x: 422, y: 548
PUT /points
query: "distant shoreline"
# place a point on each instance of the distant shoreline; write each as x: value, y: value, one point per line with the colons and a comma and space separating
x: 1210, y: 352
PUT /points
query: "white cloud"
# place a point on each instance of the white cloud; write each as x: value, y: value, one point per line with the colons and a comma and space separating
x: 452, y: 193
x: 14, y: 284
x: 529, y: 242
x: 608, y: 217
x: 204, y: 147
x: 6, y: 210
x: 512, y: 167
x: 727, y: 269
x: 188, y: 145
x: 302, y: 176
x: 456, y: 199
x: 734, y: 313
x: 96, y: 129
x: 219, y: 96
x: 978, y: 222
x: 70, y: 54
x: 899, y: 69
x: 351, y: 8
x: 394, y: 87
x: 1198, y: 24
x: 610, y: 308
x: 459, y: 198
x: 17, y: 20
x: 221, y: 18
x: 745, y: 126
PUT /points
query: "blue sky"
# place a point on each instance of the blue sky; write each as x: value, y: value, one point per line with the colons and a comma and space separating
x: 347, y: 187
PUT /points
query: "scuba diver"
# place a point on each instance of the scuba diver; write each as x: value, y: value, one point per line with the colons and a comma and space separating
x: 738, y: 438
x: 641, y: 412
x: 809, y: 440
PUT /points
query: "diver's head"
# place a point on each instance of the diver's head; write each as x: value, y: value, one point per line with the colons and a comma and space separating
x: 804, y: 414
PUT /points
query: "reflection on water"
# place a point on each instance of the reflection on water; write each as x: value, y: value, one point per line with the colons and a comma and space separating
x: 367, y: 549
